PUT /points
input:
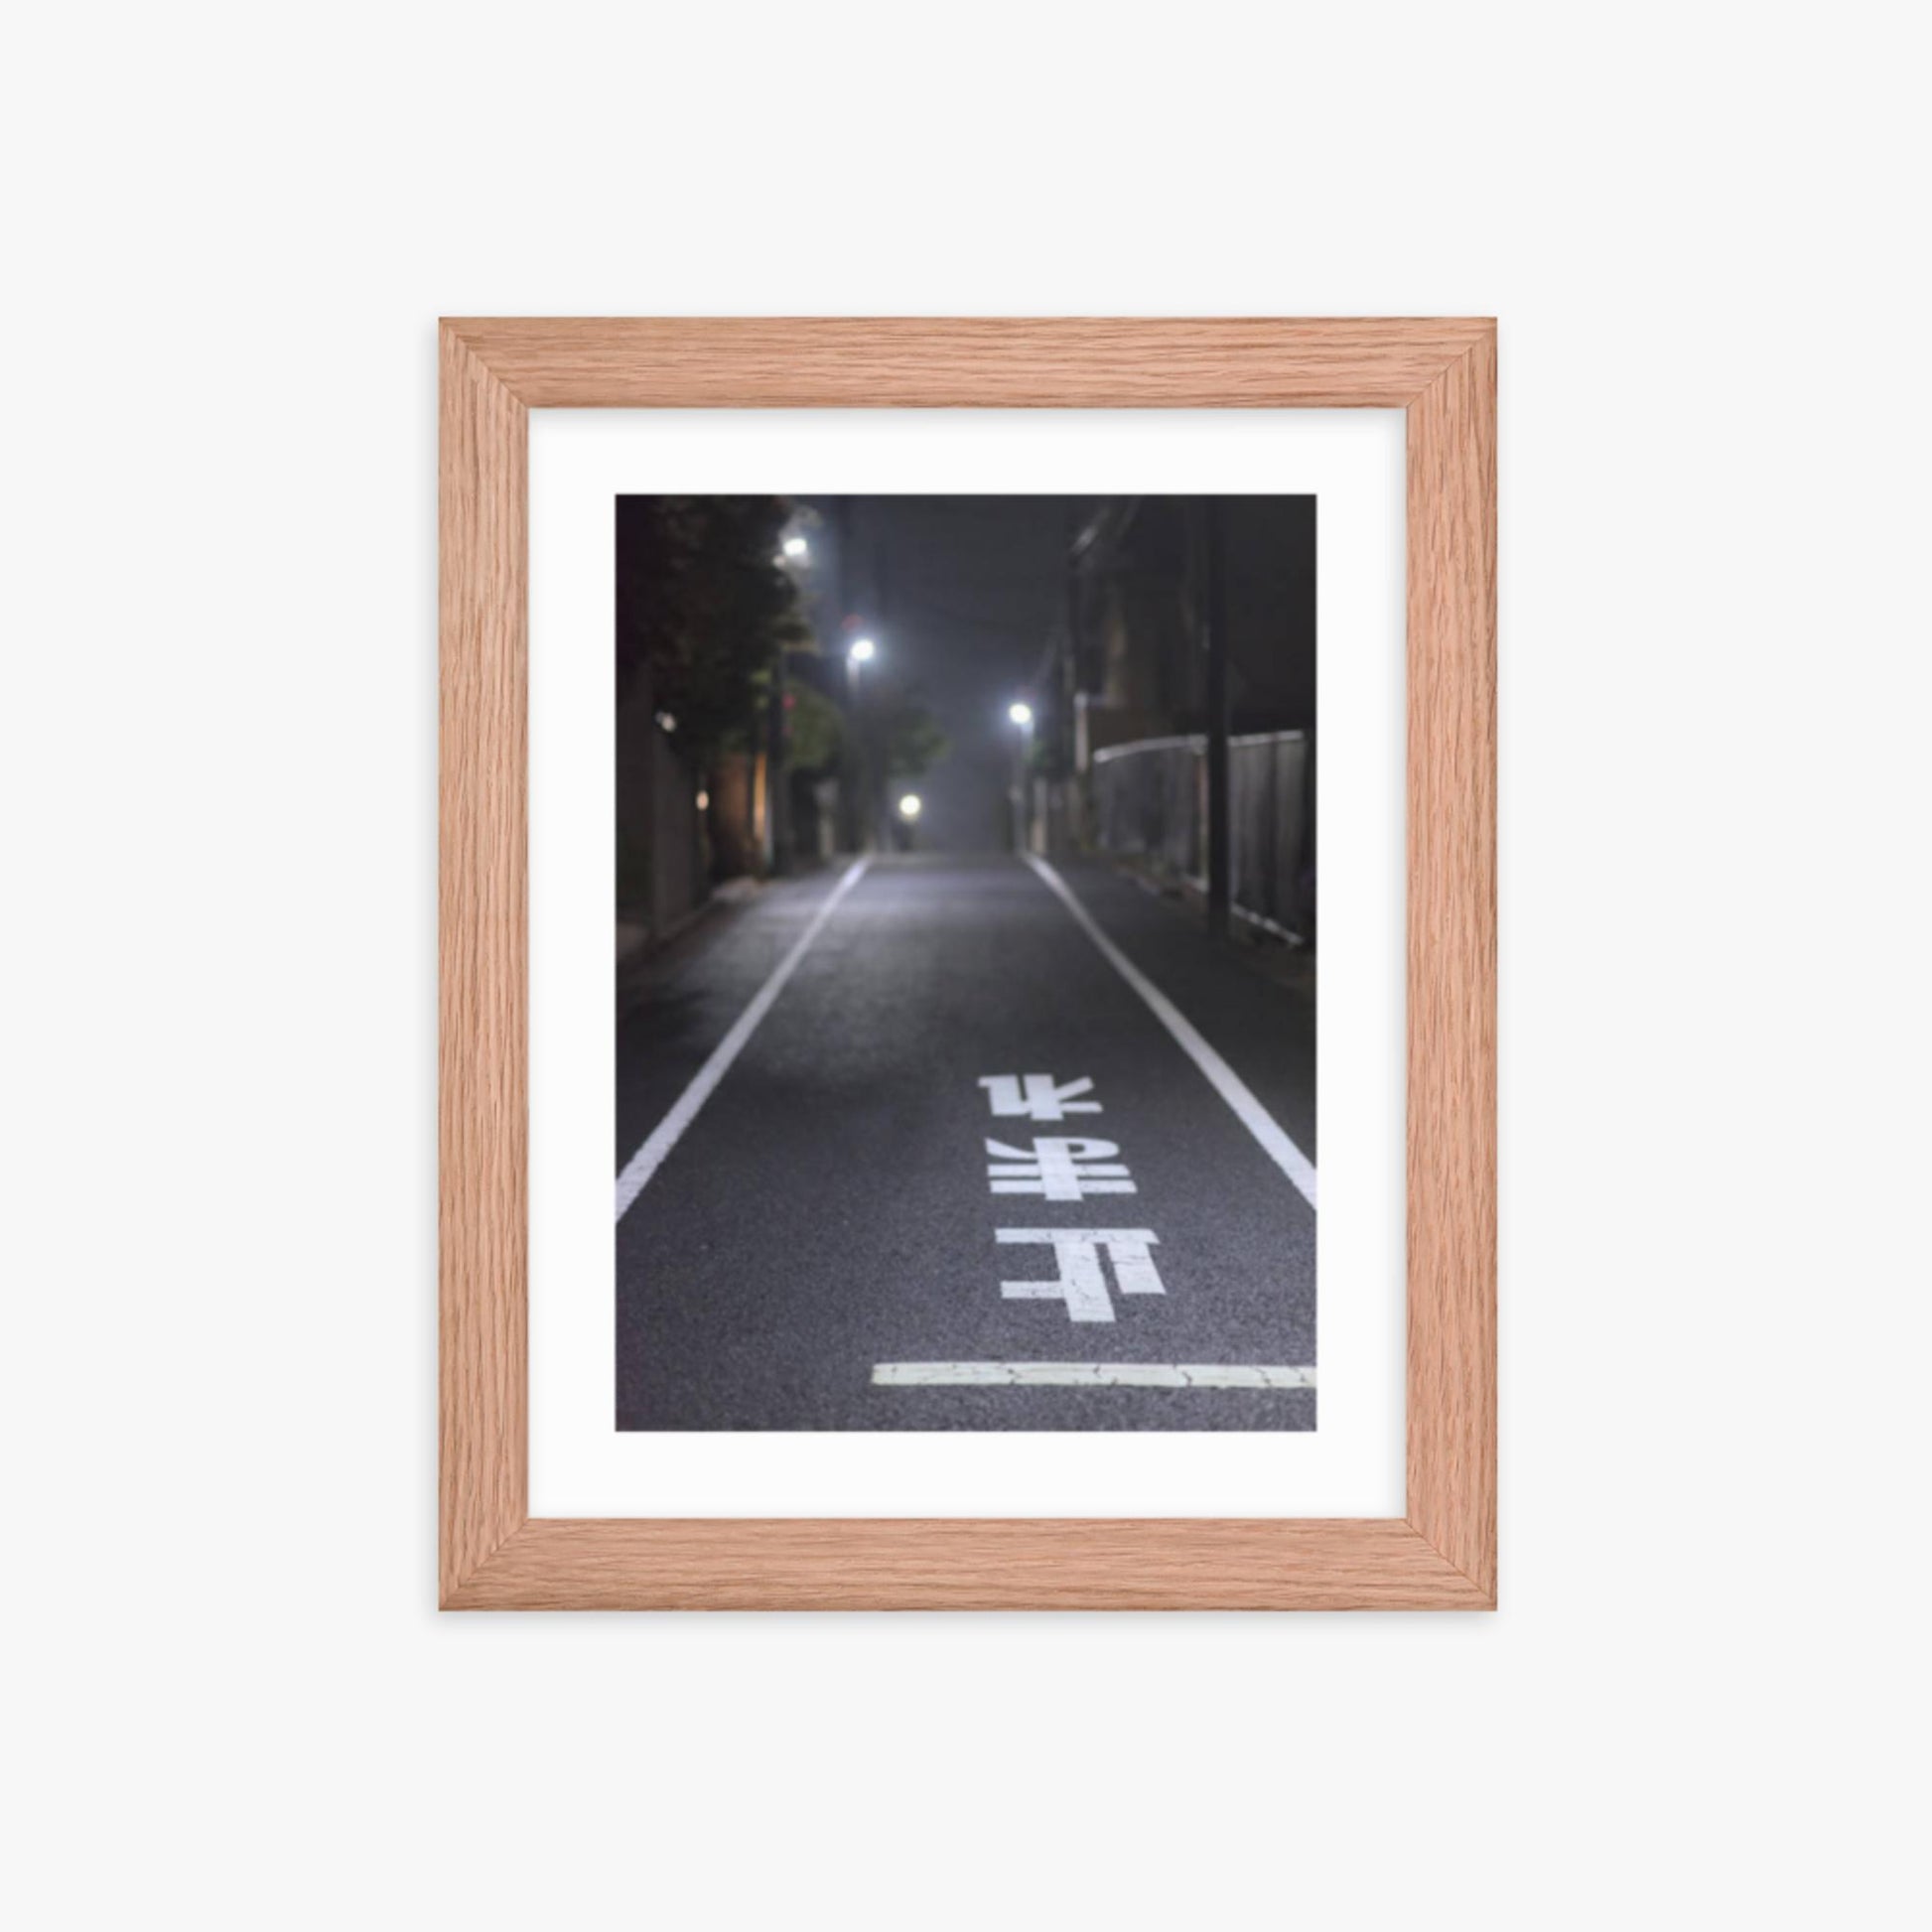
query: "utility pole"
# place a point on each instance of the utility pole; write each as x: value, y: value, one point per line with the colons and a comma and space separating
x: 777, y: 831
x: 1072, y: 699
x: 1215, y: 602
x: 881, y: 758
x: 851, y: 779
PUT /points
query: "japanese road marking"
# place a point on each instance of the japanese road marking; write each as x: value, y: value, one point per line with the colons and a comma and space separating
x: 1080, y: 1284
x: 1252, y: 1115
x: 1058, y: 1169
x: 638, y: 1170
x: 1034, y: 1096
x: 1089, y: 1375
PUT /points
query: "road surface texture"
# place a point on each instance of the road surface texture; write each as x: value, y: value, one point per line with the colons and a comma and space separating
x: 817, y: 1239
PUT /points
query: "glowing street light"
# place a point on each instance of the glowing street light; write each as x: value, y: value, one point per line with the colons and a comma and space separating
x: 1021, y: 714
x: 908, y: 807
x: 862, y: 650
x: 797, y: 549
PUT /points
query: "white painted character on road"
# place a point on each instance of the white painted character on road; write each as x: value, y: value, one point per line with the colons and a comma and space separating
x: 1081, y: 1285
x: 1033, y: 1096
x: 1058, y: 1169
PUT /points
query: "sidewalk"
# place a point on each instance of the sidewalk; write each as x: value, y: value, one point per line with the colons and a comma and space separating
x: 1289, y: 962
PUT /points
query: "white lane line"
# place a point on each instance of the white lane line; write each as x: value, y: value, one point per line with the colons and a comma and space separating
x: 1089, y: 1375
x: 638, y: 1170
x: 1221, y: 1077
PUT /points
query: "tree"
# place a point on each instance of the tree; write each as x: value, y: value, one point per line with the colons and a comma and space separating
x: 915, y: 744
x: 704, y: 609
x: 815, y: 734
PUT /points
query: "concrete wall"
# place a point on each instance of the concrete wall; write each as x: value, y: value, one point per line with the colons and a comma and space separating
x: 660, y: 869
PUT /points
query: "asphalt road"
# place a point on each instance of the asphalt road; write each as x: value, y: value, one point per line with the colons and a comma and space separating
x: 826, y: 1225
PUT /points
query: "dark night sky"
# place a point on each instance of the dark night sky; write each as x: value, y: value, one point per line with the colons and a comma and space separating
x: 960, y: 592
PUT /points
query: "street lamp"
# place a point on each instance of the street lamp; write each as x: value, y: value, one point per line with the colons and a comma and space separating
x: 859, y: 655
x: 797, y: 549
x: 869, y: 813
x: 908, y: 807
x: 1022, y: 715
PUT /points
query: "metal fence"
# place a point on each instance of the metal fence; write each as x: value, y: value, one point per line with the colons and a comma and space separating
x: 1150, y: 801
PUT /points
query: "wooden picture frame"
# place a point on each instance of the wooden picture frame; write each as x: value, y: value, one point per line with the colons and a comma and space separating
x: 1439, y: 1555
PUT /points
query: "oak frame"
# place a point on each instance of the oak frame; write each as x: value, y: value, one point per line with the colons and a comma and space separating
x: 1441, y: 1554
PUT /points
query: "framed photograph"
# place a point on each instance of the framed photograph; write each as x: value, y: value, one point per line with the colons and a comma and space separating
x: 1037, y: 780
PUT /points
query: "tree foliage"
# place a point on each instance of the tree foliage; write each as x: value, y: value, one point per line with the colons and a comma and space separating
x: 703, y: 607
x: 815, y: 731
x: 915, y: 744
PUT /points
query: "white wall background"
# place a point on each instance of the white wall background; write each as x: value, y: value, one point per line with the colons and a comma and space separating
x: 230, y: 231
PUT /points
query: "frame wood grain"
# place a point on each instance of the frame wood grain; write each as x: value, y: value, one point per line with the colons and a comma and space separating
x: 1443, y: 1553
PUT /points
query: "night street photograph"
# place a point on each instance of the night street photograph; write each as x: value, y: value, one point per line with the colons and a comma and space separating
x: 966, y: 958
